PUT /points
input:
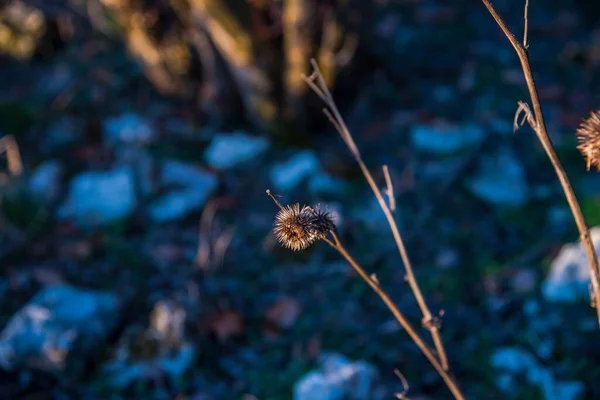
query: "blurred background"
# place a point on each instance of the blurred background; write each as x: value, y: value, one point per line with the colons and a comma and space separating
x: 138, y: 137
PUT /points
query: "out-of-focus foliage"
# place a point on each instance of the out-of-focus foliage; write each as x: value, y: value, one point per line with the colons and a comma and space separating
x: 234, y: 57
x: 257, y: 50
x: 22, y: 28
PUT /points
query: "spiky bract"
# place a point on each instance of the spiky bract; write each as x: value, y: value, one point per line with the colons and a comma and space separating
x: 298, y: 228
x: 293, y: 227
x: 322, y: 222
x: 588, y: 136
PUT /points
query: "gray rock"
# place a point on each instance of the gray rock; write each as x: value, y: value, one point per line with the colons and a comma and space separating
x: 445, y: 139
x: 141, y: 164
x: 44, y: 182
x: 228, y: 150
x: 59, y: 322
x: 331, y: 363
x: 128, y: 128
x: 316, y: 386
x: 569, y: 275
x: 289, y: 174
x: 340, y: 379
x: 100, y: 197
x: 500, y: 180
x: 193, y: 188
x: 513, y: 363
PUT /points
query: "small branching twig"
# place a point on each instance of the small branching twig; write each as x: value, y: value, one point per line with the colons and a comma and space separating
x: 405, y: 387
x: 526, y: 28
x: 389, y: 188
x: 318, y: 85
x: 299, y: 227
x: 212, y: 242
x: 527, y: 116
x: 9, y: 145
x: 539, y: 127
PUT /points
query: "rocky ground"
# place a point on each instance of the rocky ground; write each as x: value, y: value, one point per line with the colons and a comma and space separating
x: 136, y: 253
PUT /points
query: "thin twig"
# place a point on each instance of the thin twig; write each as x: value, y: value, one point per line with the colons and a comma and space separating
x: 389, y: 188
x: 419, y: 341
x: 527, y: 116
x: 526, y: 28
x: 204, y: 235
x: 212, y: 242
x: 221, y: 245
x: 405, y: 387
x: 334, y: 115
x: 542, y: 134
x: 275, y: 199
x: 9, y: 145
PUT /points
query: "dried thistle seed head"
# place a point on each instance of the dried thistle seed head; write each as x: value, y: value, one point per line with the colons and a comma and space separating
x: 293, y: 227
x: 321, y: 221
x: 588, y: 136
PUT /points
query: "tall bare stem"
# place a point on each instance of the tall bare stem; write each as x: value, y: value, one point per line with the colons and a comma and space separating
x: 318, y: 85
x: 539, y: 126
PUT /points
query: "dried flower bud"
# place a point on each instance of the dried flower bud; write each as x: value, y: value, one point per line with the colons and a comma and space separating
x: 322, y: 222
x: 294, y: 227
x: 588, y: 136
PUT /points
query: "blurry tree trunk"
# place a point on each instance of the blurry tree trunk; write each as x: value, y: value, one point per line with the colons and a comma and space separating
x: 159, y: 47
x: 235, y: 43
x: 339, y: 39
x: 215, y: 94
x: 252, y: 50
x: 298, y: 34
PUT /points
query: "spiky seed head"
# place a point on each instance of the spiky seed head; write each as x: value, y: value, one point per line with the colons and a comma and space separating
x: 588, y: 136
x: 321, y: 221
x: 294, y: 228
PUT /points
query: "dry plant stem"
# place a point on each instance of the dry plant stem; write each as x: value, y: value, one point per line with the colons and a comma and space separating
x: 427, y: 351
x: 338, y: 122
x: 297, y: 38
x: 389, y: 188
x: 9, y: 145
x: 403, y: 394
x: 539, y: 128
x: 237, y: 44
x: 526, y: 28
x: 275, y: 200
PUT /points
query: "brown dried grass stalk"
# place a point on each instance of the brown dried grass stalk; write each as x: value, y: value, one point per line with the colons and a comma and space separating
x: 438, y: 359
x: 536, y: 121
